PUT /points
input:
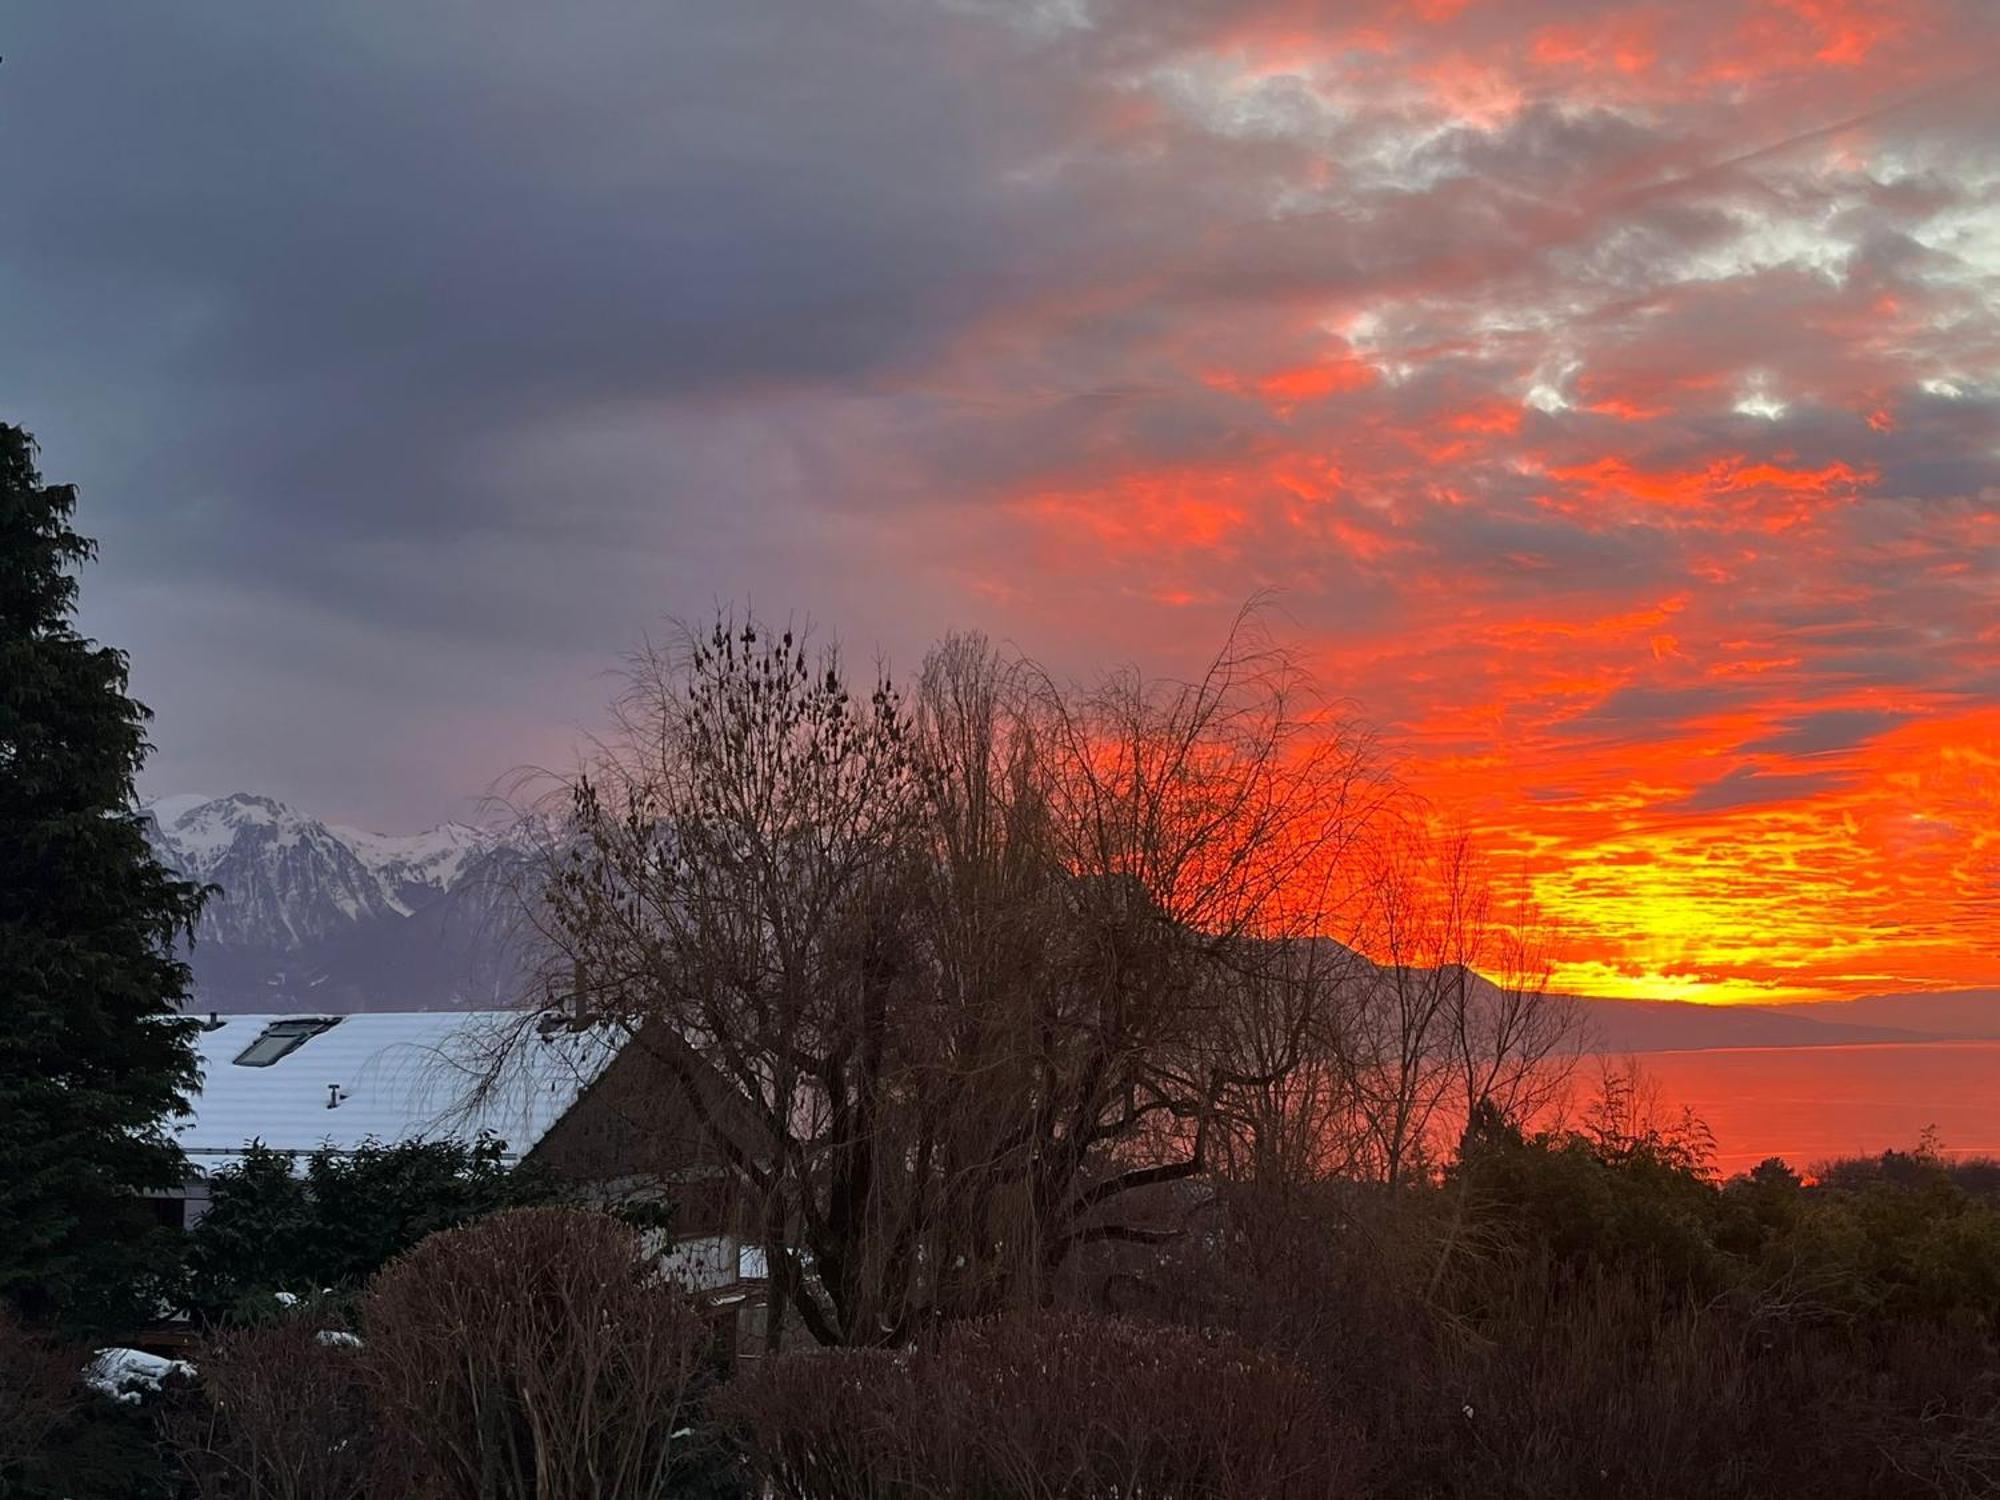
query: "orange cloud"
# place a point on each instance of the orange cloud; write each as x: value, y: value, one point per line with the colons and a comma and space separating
x: 1313, y: 381
x: 1647, y: 499
x: 1773, y: 496
x: 1622, y: 41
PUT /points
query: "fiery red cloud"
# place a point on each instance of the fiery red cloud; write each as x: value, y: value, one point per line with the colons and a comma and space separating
x: 1611, y: 392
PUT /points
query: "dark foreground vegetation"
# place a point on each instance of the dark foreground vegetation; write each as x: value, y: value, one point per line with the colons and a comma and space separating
x: 1577, y: 1314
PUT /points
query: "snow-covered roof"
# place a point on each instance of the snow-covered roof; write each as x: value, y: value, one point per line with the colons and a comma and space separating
x: 392, y: 1076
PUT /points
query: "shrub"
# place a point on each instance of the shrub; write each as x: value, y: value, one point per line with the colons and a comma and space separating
x: 62, y: 1438
x: 1592, y: 1200
x: 1056, y: 1405
x: 838, y: 1423
x: 282, y: 1414
x: 533, y: 1353
x: 39, y: 1394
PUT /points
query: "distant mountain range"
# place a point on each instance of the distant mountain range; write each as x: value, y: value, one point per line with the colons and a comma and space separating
x: 1619, y: 1026
x: 1959, y: 1013
x: 315, y: 916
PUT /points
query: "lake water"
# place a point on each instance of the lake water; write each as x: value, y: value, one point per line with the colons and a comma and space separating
x: 1809, y: 1103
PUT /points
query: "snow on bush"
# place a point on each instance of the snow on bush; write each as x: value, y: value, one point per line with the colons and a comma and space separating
x: 130, y: 1375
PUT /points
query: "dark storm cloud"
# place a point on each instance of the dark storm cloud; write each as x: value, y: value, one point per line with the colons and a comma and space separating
x: 306, y: 297
x: 378, y: 238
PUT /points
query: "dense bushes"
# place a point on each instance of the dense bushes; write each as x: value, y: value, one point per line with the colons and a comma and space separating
x: 273, y: 1227
x: 532, y: 1354
x: 1057, y: 1405
x: 63, y: 1437
x: 1572, y: 1315
x: 1585, y: 1199
x: 1577, y: 1314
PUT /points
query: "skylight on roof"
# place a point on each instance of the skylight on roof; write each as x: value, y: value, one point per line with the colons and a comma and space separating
x: 282, y: 1038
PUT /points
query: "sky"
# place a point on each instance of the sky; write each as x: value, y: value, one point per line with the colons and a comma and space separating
x: 1605, y: 395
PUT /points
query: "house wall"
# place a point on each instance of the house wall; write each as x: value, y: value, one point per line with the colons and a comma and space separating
x: 633, y: 1137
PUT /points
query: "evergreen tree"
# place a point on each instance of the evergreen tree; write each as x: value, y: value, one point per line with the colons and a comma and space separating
x: 95, y: 1056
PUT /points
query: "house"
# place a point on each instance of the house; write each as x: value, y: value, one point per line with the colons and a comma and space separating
x: 598, y: 1114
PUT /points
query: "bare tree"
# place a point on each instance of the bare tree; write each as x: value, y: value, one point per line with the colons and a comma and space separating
x: 1377, y: 1049
x: 944, y: 983
x: 1454, y: 1014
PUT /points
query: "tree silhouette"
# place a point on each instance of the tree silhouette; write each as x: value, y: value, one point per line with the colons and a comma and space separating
x: 94, y: 1053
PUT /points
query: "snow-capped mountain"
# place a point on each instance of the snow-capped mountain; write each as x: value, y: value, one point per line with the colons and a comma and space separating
x: 336, y: 918
x: 414, y: 869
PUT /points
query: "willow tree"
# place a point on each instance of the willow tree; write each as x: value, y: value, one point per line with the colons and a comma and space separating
x: 951, y: 981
